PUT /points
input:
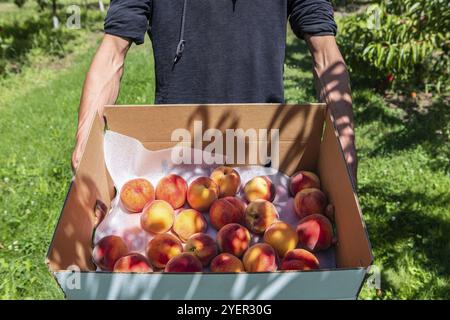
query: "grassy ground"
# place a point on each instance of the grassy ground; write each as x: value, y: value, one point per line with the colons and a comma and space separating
x: 38, y: 112
x: 403, y: 188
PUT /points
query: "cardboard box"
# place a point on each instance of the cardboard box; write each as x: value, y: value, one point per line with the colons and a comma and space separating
x: 308, y: 141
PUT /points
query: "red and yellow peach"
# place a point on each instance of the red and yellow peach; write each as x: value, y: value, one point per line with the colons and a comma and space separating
x: 259, y: 188
x: 133, y: 262
x: 228, y: 181
x: 136, y: 193
x: 201, y: 194
x: 299, y: 259
x: 282, y: 237
x: 234, y: 239
x: 202, y: 246
x: 172, y: 189
x: 259, y: 215
x: 309, y: 201
x: 157, y: 217
x: 226, y: 210
x: 260, y: 258
x: 226, y: 263
x: 303, y: 180
x: 184, y: 262
x: 162, y: 248
x: 189, y: 222
x: 315, y: 232
x: 107, y: 251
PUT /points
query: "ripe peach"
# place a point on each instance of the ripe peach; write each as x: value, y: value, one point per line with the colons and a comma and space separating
x: 162, y: 248
x: 315, y: 232
x: 309, y: 201
x: 228, y: 181
x: 184, y: 262
x: 303, y: 180
x: 133, y: 262
x: 260, y: 258
x: 188, y: 222
x: 136, y: 193
x: 157, y: 217
x: 259, y: 188
x: 300, y: 259
x: 282, y: 237
x: 202, y: 192
x: 107, y: 251
x: 226, y: 262
x: 259, y: 215
x: 172, y: 189
x: 202, y: 246
x: 233, y: 238
x: 226, y: 210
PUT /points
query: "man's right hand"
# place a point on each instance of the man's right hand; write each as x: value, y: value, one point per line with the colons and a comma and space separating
x: 101, y: 87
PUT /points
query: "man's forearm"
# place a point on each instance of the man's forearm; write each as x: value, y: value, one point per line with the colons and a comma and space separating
x: 102, y: 82
x: 333, y: 86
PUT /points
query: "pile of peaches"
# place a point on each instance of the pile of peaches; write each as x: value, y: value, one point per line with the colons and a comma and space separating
x: 179, y: 240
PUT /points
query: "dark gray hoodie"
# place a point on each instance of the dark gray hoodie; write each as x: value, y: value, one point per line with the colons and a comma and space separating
x: 229, y: 51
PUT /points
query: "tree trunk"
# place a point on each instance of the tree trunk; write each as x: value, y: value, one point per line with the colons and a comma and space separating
x: 54, y: 17
x: 101, y: 6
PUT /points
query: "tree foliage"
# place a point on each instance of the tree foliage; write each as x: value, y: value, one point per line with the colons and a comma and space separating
x: 405, y: 42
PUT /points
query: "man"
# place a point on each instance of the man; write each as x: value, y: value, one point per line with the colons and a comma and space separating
x: 219, y: 51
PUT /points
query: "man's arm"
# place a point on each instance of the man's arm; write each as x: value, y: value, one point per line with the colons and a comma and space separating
x: 333, y: 87
x: 101, y: 87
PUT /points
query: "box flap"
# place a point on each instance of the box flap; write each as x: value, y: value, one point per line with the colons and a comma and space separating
x: 72, y: 241
x: 353, y: 249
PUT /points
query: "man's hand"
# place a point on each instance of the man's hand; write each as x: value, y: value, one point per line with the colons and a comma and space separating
x: 101, y: 87
x: 333, y: 87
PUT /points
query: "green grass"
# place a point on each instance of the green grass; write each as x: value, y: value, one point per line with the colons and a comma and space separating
x: 403, y: 183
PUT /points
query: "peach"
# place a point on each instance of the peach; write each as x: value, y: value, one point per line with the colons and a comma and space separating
x: 226, y: 210
x: 259, y: 215
x: 309, y: 201
x: 184, y: 262
x: 303, y: 180
x: 107, y: 251
x: 133, y: 262
x: 282, y: 237
x: 260, y: 258
x: 233, y: 238
x: 201, y: 194
x: 172, y: 189
x: 188, y: 222
x: 300, y: 259
x: 162, y: 248
x: 259, y: 188
x: 157, y: 217
x: 228, y: 181
x: 202, y: 246
x: 226, y: 262
x: 136, y: 193
x: 315, y: 232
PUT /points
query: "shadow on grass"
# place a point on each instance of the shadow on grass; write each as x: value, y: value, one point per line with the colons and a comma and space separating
x: 409, y: 223
x: 429, y: 128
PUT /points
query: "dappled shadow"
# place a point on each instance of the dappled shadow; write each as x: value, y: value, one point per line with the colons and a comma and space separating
x: 303, y: 138
x: 427, y: 128
x: 408, y: 220
x: 368, y: 110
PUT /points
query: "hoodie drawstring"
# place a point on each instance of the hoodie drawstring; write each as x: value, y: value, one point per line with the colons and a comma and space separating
x: 182, y: 42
